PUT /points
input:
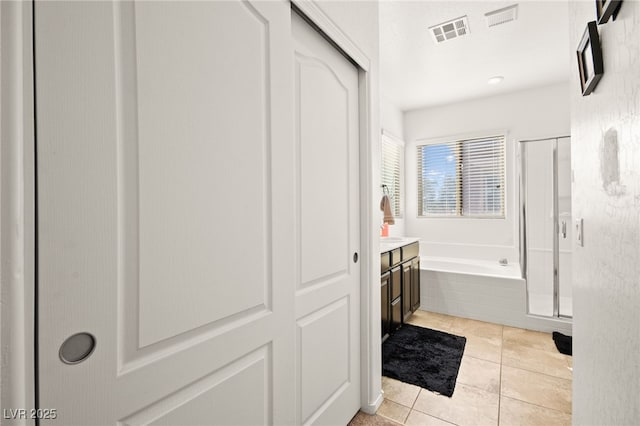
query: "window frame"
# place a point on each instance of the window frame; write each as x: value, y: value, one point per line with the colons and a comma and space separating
x: 459, y: 139
x: 386, y: 136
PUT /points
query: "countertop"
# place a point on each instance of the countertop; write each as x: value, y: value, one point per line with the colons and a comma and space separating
x: 391, y: 243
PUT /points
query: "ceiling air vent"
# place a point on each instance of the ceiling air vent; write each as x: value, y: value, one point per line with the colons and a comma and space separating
x: 449, y: 30
x: 502, y: 16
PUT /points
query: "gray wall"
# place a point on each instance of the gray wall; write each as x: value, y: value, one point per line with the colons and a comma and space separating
x: 606, y: 278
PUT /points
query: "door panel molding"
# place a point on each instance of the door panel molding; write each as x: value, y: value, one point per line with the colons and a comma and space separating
x: 252, y: 373
x: 133, y: 352
x: 111, y: 136
x: 326, y: 328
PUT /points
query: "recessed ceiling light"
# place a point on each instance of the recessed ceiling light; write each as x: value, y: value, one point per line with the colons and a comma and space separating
x: 496, y: 80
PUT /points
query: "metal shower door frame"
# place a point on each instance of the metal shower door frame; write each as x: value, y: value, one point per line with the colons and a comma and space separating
x: 556, y: 224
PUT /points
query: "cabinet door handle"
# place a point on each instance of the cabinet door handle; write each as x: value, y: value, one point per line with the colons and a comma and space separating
x: 355, y: 257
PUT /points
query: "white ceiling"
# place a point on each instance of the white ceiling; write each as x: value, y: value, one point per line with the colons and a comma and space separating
x: 415, y: 72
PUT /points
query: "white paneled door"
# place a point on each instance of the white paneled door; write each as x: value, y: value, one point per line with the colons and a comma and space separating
x: 198, y: 216
x: 328, y: 230
x: 165, y: 212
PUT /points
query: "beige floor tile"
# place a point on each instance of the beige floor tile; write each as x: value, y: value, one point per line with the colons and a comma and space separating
x: 464, y: 327
x: 514, y: 412
x: 484, y: 348
x: 551, y: 363
x: 363, y: 419
x: 479, y: 373
x: 536, y: 388
x: 431, y: 320
x: 416, y: 418
x: 393, y: 411
x: 531, y: 339
x: 399, y: 392
x: 467, y: 406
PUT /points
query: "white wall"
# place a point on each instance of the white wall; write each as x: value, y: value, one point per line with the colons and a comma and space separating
x: 391, y: 120
x: 606, y: 278
x: 528, y: 114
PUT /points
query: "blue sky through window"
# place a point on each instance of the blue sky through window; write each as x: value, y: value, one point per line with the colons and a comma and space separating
x: 462, y: 178
x: 439, y: 177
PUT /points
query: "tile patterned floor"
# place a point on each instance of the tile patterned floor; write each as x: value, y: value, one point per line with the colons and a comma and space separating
x: 508, y: 376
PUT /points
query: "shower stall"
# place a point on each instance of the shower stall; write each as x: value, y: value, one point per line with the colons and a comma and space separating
x: 546, y: 225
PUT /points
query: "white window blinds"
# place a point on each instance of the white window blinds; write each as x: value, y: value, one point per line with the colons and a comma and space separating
x: 392, y: 158
x: 462, y: 178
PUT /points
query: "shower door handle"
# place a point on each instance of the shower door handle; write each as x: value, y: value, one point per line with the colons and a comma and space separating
x: 564, y: 229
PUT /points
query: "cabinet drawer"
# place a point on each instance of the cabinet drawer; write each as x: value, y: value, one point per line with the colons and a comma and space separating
x: 396, y: 314
x: 385, y: 306
x: 396, y: 257
x: 415, y: 284
x: 410, y: 251
x: 396, y: 283
x: 385, y: 262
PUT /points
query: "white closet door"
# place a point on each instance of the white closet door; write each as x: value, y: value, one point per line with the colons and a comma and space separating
x: 165, y: 211
x: 328, y: 274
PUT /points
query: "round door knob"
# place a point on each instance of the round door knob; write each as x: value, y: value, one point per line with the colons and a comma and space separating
x: 77, y: 348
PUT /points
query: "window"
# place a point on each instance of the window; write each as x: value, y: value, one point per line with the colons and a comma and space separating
x: 392, y: 162
x: 463, y: 178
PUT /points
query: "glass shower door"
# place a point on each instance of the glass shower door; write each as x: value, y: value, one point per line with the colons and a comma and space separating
x: 547, y: 225
x: 539, y: 221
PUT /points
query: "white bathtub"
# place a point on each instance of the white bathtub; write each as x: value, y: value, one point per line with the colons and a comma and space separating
x: 479, y: 289
x: 482, y: 268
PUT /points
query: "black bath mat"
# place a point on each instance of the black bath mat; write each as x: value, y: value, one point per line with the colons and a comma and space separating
x: 423, y: 357
x: 563, y: 343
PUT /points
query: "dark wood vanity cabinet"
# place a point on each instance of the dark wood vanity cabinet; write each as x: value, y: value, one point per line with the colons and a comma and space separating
x: 415, y: 284
x: 406, y: 291
x: 396, y: 299
x: 385, y: 306
x: 399, y: 287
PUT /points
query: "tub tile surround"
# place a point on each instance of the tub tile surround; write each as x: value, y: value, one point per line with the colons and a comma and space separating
x: 508, y: 376
x: 484, y: 291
